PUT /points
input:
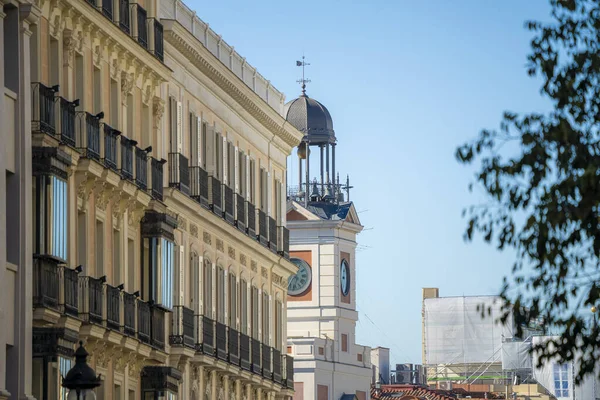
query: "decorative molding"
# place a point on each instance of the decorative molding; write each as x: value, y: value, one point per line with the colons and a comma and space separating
x: 194, y: 230
x: 264, y: 273
x: 127, y: 82
x: 181, y: 223
x: 254, y: 266
x: 243, y: 259
x: 68, y: 48
x: 220, y: 246
x: 207, y: 238
x: 158, y: 109
x: 231, y: 252
x: 277, y: 279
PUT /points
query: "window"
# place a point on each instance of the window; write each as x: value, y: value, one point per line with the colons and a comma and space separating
x: 81, y: 238
x: 176, y: 115
x: 263, y: 190
x: 166, y: 298
x: 218, y: 156
x: 100, y: 248
x: 116, y: 264
x: 196, y: 127
x: 561, y: 380
x: 203, y: 151
x: 232, y: 301
x: 158, y: 260
x: 241, y: 173
x: 131, y: 275
x: 252, y: 182
x: 244, y: 307
x: 344, y: 342
x: 277, y: 208
x: 220, y: 295
x: 254, y: 307
x: 97, y: 90
x: 230, y: 165
x: 50, y: 202
x: 207, y: 295
x: 265, y: 318
x: 114, y: 104
x: 278, y: 324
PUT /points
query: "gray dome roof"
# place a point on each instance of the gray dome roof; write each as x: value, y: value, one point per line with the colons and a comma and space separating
x: 312, y: 118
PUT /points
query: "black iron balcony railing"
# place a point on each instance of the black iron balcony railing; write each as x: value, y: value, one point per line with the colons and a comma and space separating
x: 182, y: 333
x: 266, y: 361
x: 111, y: 138
x: 234, y: 340
x: 221, y: 341
x: 283, y: 244
x: 262, y: 228
x: 129, y: 314
x: 240, y: 212
x: 142, y: 27
x: 46, y: 281
x: 67, y: 121
x: 245, y: 352
x: 255, y: 347
x: 199, y: 185
x: 288, y: 370
x: 92, y: 298
x: 157, y: 338
x: 43, y: 108
x: 124, y: 16
x: 113, y: 308
x: 158, y: 41
x: 215, y: 196
x: 208, y: 336
x: 272, y: 234
x: 127, y: 146
x: 277, y: 375
x: 71, y: 292
x: 144, y: 325
x: 229, y: 208
x: 89, y: 135
x: 107, y: 8
x: 156, y: 167
x: 141, y: 168
x: 179, y: 174
x: 251, y: 216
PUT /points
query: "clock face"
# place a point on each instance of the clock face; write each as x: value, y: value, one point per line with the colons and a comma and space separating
x: 345, y: 278
x: 297, y: 284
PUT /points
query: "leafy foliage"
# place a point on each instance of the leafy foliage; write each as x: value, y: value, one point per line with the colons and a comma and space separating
x: 544, y: 201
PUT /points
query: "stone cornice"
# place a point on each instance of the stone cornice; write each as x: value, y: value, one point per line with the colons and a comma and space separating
x: 177, y: 36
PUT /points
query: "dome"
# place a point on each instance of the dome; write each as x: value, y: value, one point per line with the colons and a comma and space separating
x: 312, y: 118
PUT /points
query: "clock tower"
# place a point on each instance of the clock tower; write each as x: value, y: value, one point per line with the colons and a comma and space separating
x: 321, y: 307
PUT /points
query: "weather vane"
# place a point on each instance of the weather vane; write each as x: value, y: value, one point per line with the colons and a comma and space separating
x: 303, y: 81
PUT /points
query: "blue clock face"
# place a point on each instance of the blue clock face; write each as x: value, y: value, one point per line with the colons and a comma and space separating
x: 345, y: 278
x: 297, y: 284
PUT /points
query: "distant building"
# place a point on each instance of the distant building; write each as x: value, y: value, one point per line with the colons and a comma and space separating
x: 380, y: 364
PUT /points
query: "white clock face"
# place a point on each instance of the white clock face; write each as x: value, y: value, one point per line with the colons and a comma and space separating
x: 297, y: 284
x: 345, y: 278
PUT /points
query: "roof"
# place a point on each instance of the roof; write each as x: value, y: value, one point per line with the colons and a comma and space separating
x: 409, y: 392
x: 311, y: 118
x: 322, y: 210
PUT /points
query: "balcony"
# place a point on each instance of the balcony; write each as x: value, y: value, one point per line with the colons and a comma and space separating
x: 215, y: 196
x: 199, y: 186
x: 251, y: 213
x: 71, y: 292
x: 156, y: 168
x: 183, y: 327
x: 272, y: 235
x: 141, y: 168
x: 233, y: 347
x: 158, y: 41
x: 92, y: 299
x: 229, y: 204
x: 240, y: 216
x: 143, y: 323
x: 179, y: 174
x: 221, y: 341
x: 283, y: 244
x: 277, y: 375
x: 127, y: 146
x: 88, y: 134
x: 129, y: 314
x: 142, y: 26
x: 111, y: 137
x: 208, y: 335
x: 107, y: 8
x: 262, y: 228
x: 43, y: 109
x: 46, y: 283
x: 67, y: 121
x: 157, y: 320
x: 288, y: 370
x: 124, y: 16
x: 266, y: 361
x: 113, y: 308
x: 245, y: 352
x: 255, y: 351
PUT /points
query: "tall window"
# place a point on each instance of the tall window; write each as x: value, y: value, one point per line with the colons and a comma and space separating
x: 116, y: 262
x: 266, y: 313
x: 207, y: 292
x: 100, y: 248
x: 263, y: 190
x: 244, y: 307
x: 220, y: 295
x: 241, y: 173
x: 158, y: 259
x: 252, y: 182
x: 254, y: 306
x: 219, y: 156
x: 195, y: 140
x: 203, y: 146
x: 167, y: 273
x: 278, y: 324
x: 230, y: 165
x: 561, y: 380
x: 176, y: 115
x: 232, y: 301
x: 50, y: 201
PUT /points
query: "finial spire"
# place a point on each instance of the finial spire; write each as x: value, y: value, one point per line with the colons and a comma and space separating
x: 303, y: 81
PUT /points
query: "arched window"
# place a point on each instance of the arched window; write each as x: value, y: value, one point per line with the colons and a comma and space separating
x: 207, y: 288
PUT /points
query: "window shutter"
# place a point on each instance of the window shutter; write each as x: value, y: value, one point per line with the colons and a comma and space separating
x: 173, y: 123
x: 226, y: 161
x: 249, y: 195
x: 236, y: 168
x: 181, y: 274
x: 179, y: 127
x: 269, y: 192
x: 199, y: 141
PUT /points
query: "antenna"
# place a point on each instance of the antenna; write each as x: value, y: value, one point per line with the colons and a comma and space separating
x: 303, y: 81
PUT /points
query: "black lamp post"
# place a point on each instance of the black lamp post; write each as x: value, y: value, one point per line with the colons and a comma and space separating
x: 81, y: 379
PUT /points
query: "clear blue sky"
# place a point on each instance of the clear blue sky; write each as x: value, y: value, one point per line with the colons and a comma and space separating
x: 405, y: 82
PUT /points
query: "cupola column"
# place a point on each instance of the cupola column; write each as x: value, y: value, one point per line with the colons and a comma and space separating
x: 333, y: 167
x: 327, y: 165
x: 322, y: 182
x: 299, y: 174
x: 307, y: 174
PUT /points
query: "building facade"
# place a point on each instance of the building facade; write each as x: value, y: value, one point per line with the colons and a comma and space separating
x: 144, y: 190
x: 322, y: 315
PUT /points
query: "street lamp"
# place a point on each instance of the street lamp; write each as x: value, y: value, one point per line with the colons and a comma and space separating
x: 81, y: 379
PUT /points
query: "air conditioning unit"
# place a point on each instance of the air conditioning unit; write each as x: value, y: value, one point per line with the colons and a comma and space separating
x: 404, y: 374
x: 447, y: 385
